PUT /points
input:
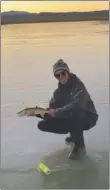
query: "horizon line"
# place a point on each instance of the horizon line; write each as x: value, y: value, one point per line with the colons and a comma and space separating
x: 55, y: 12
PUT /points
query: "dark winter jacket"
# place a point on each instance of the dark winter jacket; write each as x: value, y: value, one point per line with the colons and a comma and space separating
x: 71, y: 97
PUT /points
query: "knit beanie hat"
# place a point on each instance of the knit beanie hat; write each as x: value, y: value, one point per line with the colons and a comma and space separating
x: 60, y: 65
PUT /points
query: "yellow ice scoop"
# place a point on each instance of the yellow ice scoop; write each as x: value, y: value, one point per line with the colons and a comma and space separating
x: 43, y: 168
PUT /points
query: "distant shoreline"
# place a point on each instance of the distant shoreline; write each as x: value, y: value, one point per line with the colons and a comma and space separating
x: 16, y: 17
x: 53, y: 21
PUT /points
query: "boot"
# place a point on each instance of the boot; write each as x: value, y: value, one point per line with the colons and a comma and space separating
x: 79, y: 150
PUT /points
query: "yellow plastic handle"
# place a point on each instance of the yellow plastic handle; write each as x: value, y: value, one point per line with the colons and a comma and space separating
x: 42, y: 167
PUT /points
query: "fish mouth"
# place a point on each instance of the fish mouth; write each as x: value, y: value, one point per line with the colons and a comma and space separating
x: 20, y: 114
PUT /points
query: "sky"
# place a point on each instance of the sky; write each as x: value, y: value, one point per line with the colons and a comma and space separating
x: 54, y: 6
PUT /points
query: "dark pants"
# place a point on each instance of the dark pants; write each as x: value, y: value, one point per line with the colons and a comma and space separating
x: 75, y: 126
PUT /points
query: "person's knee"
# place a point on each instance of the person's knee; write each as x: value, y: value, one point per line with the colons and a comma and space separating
x: 41, y: 125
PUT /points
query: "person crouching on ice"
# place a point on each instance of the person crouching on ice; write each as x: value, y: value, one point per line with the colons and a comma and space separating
x: 71, y: 110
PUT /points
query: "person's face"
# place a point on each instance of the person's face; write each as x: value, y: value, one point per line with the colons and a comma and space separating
x: 62, y: 76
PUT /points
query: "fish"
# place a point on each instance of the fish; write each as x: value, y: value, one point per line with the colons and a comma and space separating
x: 27, y: 111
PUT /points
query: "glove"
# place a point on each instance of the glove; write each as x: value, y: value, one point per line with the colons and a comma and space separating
x: 39, y: 116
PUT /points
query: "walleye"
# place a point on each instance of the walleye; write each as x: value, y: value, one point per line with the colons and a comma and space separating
x: 28, y: 111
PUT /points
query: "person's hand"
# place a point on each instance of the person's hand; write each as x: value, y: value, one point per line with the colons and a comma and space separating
x: 51, y: 112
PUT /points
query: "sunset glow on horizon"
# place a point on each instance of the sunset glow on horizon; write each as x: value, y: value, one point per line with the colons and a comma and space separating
x: 54, y: 6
